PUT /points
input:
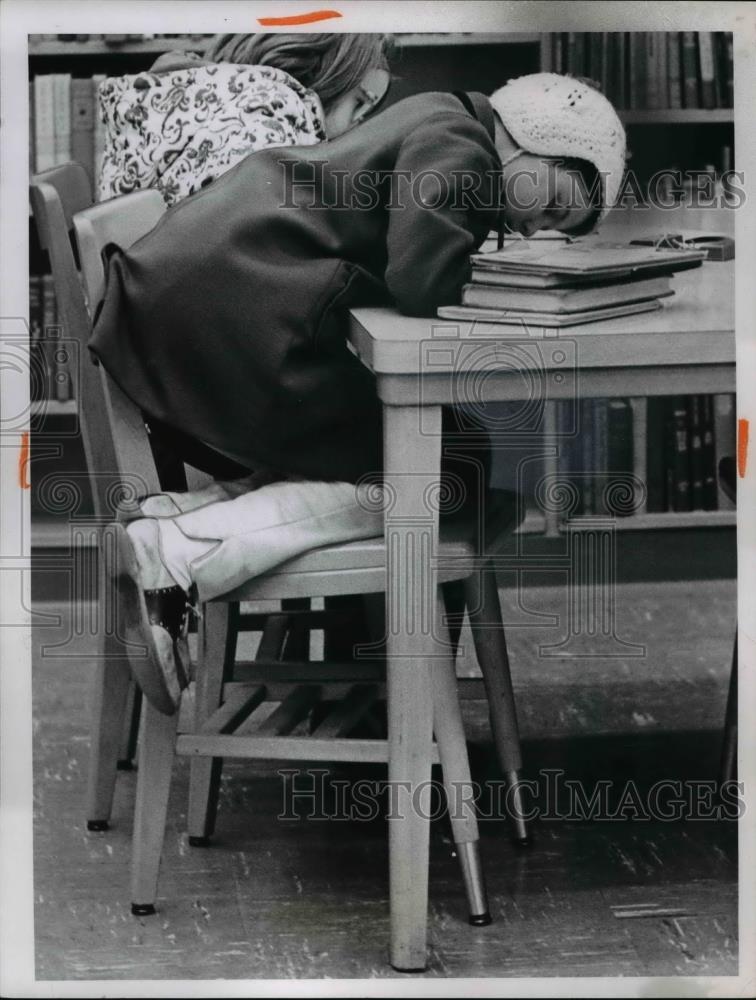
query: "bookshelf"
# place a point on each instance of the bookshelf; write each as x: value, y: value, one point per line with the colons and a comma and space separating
x: 411, y: 40
x: 694, y: 136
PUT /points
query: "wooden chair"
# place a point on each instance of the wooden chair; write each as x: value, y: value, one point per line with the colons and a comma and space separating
x: 220, y: 718
x: 56, y: 195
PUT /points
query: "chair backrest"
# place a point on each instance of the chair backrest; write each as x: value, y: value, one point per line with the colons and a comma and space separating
x: 120, y: 221
x: 56, y: 195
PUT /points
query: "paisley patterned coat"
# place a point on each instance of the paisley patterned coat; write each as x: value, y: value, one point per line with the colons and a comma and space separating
x: 186, y: 122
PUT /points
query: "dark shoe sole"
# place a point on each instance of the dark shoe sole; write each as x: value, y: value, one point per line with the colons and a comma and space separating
x: 134, y: 626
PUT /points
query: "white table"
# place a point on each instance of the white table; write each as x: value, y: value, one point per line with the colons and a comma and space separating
x: 421, y: 364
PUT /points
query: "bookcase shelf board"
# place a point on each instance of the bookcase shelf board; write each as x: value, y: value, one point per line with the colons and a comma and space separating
x: 678, y: 116
x: 98, y: 46
x: 663, y: 519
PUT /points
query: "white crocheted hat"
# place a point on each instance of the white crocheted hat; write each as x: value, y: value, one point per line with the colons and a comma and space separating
x: 552, y: 115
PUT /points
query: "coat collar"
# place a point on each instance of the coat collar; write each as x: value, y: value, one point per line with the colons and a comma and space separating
x: 479, y: 107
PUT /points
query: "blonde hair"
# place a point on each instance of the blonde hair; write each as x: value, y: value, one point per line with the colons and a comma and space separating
x: 329, y: 64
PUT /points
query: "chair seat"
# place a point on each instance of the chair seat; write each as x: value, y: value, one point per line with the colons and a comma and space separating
x: 360, y: 567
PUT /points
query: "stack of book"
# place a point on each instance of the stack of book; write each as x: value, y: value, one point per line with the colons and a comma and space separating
x: 551, y: 284
x: 651, y: 69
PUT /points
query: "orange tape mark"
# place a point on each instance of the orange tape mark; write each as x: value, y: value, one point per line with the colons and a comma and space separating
x: 742, y: 447
x: 315, y: 15
x: 23, y: 462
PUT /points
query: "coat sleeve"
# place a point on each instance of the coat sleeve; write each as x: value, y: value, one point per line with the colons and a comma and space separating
x: 429, y: 244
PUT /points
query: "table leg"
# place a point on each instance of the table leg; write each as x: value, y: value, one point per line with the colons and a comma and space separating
x: 411, y: 539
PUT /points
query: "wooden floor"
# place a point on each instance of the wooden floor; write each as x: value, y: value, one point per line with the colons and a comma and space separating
x: 308, y: 898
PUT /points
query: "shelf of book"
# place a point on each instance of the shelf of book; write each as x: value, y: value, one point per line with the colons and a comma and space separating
x: 98, y: 46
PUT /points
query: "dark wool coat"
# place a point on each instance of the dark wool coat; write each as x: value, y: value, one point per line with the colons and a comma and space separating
x: 228, y: 321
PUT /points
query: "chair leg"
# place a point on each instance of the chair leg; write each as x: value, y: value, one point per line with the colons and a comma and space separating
x: 729, y: 761
x: 450, y: 737
x: 128, y: 750
x: 484, y: 611
x: 156, y: 755
x: 112, y: 683
x: 217, y: 635
x: 454, y: 604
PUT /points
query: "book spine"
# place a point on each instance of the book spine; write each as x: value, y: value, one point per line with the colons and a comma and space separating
x: 99, y: 130
x: 639, y: 421
x: 62, y: 117
x: 573, y: 449
x: 706, y: 63
x: 44, y: 135
x: 724, y: 68
x: 572, y: 52
x: 656, y: 454
x: 600, y: 455
x: 674, y: 69
x: 32, y: 144
x: 82, y: 125
x: 638, y: 70
x: 724, y: 439
x: 708, y: 453
x: 38, y: 386
x: 556, y: 52
x: 689, y: 56
x: 586, y: 436
x: 662, y: 75
x: 617, y: 50
x: 695, y: 448
x: 49, y: 333
x: 580, y: 53
x: 619, y: 444
x: 653, y: 90
x: 679, y: 455
x: 596, y: 58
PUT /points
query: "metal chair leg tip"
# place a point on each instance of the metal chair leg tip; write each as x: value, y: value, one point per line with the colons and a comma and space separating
x: 526, y: 841
x: 420, y: 968
x: 480, y: 919
x: 97, y: 825
x: 125, y: 765
x: 143, y: 909
x: 199, y: 841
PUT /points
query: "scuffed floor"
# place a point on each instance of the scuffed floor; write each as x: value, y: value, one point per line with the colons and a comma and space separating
x: 308, y: 898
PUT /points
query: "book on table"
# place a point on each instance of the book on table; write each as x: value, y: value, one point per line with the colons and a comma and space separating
x: 519, y: 317
x: 564, y: 299
x: 589, y: 258
x: 565, y: 284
